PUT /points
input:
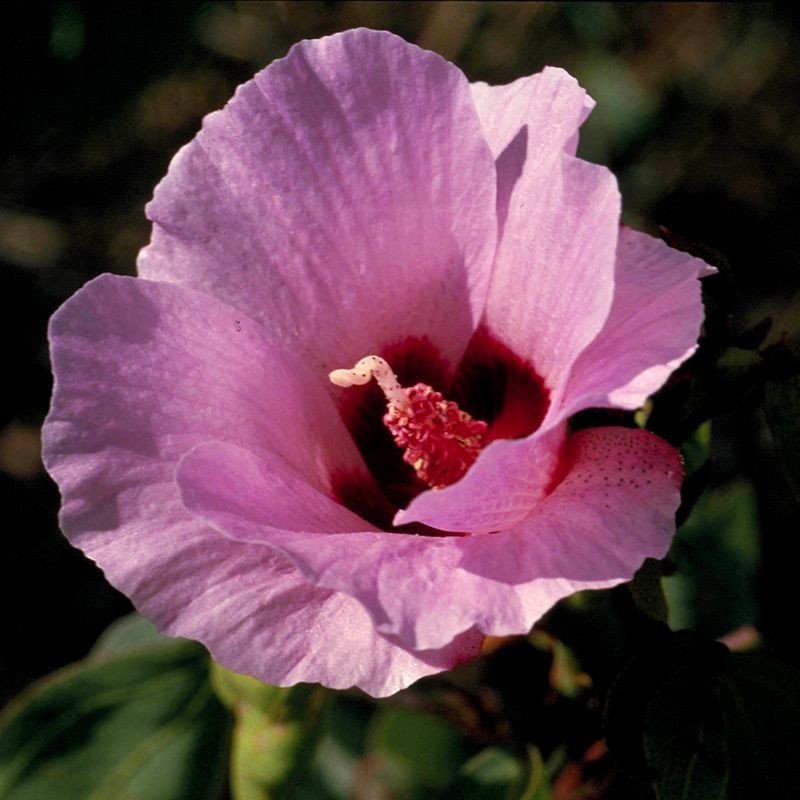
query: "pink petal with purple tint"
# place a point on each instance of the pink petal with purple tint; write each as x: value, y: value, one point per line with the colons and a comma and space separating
x: 536, y: 116
x: 614, y: 508
x: 500, y: 489
x: 345, y: 198
x: 550, y: 104
x: 145, y: 372
x: 550, y: 295
x: 360, y: 197
x: 652, y: 327
x: 554, y: 272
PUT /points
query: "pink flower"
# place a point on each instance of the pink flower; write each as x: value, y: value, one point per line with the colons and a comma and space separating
x: 359, y: 197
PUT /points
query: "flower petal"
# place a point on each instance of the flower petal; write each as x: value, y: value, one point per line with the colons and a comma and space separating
x: 553, y: 282
x: 499, y: 490
x: 554, y: 271
x: 614, y: 508
x: 345, y: 198
x: 551, y: 104
x: 652, y: 327
x: 258, y: 616
x: 550, y: 295
x: 533, y: 115
x: 242, y: 486
x: 144, y: 371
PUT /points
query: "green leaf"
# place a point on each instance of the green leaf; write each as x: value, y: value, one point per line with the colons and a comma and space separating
x: 236, y: 690
x: 275, y: 734
x: 334, y: 769
x: 126, y: 634
x: 782, y: 407
x: 761, y: 704
x: 566, y: 675
x: 695, y: 450
x: 428, y: 748
x: 496, y: 774
x: 141, y: 726
x: 716, y: 554
x: 490, y: 773
x: 270, y: 756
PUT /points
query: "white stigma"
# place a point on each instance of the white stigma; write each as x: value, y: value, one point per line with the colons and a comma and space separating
x: 373, y: 367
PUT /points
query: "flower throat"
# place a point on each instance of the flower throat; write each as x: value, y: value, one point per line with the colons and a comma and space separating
x: 438, y: 439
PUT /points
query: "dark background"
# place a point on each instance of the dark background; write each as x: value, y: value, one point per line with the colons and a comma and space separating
x: 698, y: 107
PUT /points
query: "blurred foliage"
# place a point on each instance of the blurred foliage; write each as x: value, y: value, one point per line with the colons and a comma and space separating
x: 663, y: 722
x: 275, y: 733
x: 697, y: 115
x: 782, y: 406
x: 760, y: 698
x: 137, y: 719
x: 712, y: 589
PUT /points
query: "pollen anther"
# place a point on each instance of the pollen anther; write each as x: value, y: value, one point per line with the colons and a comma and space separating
x: 439, y: 440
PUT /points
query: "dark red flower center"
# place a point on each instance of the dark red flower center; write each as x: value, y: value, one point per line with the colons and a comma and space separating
x: 426, y: 425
